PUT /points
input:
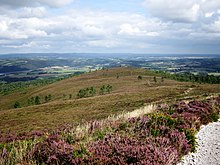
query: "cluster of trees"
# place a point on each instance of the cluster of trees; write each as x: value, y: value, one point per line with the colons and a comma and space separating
x: 48, y: 98
x: 105, y: 89
x: 7, y: 88
x: 87, y: 92
x: 37, y: 100
x: 34, y: 101
x: 91, y: 91
x: 211, y: 79
x: 189, y: 77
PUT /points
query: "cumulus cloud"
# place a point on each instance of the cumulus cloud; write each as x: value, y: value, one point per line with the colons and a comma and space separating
x: 32, y: 12
x: 209, y: 5
x: 214, y: 27
x: 86, y: 28
x: 175, y: 10
x: 169, y: 27
x: 182, y: 11
x: 22, y: 3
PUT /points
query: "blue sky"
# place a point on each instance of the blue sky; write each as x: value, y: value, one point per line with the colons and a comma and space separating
x: 131, y: 26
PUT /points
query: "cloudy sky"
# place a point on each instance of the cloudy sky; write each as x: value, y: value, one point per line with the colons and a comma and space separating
x: 113, y: 26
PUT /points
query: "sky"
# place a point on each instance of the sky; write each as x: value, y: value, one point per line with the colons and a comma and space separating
x: 113, y: 26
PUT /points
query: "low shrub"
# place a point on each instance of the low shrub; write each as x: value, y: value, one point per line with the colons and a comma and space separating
x: 162, y: 138
x: 52, y: 151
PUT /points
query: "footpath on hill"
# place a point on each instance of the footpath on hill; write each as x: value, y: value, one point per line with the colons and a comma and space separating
x: 208, y: 149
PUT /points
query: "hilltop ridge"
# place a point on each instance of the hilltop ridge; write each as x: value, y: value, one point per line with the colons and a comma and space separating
x: 131, y: 89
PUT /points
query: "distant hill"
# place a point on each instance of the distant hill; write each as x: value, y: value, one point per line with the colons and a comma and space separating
x: 131, y: 89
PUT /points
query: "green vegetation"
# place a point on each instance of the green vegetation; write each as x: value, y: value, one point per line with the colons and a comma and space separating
x: 147, y: 138
x: 17, y: 104
x: 168, y: 131
x: 113, y: 97
x: 87, y: 92
x: 105, y: 89
x: 8, y: 88
x: 31, y: 101
x: 189, y: 77
x: 48, y: 98
x: 139, y: 77
x: 37, y: 100
x: 91, y: 91
x: 155, y: 80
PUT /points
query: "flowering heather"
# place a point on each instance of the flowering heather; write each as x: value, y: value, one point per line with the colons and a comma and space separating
x: 10, y: 137
x: 52, y: 151
x: 162, y: 137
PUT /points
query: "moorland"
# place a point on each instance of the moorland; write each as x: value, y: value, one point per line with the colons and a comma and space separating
x: 65, y: 114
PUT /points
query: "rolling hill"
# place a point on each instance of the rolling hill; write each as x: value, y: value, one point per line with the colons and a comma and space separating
x: 128, y: 93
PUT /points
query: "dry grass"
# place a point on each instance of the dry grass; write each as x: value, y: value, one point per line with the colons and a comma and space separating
x: 128, y: 94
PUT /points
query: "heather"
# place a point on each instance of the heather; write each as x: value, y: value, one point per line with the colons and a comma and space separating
x: 161, y: 137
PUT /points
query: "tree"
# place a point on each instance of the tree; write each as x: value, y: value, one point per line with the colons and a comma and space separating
x: 49, y: 97
x: 155, y: 79
x: 105, y: 89
x: 29, y: 102
x: 81, y: 93
x: 46, y: 99
x: 87, y: 92
x: 108, y: 88
x: 102, y: 90
x: 17, y: 104
x: 139, y: 77
x: 92, y: 91
x: 37, y: 100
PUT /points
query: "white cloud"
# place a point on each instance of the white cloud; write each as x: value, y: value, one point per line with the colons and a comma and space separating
x: 85, y: 29
x: 36, y: 28
x: 210, y: 14
x: 209, y: 5
x: 104, y: 43
x: 32, y: 12
x: 135, y: 30
x: 55, y: 3
x: 25, y: 3
x: 129, y: 29
x: 175, y: 10
x: 3, y: 26
x: 27, y: 46
x: 213, y: 27
x: 22, y: 28
x: 182, y: 11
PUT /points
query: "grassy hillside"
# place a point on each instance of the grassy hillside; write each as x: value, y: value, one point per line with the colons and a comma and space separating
x: 128, y: 93
x: 155, y: 134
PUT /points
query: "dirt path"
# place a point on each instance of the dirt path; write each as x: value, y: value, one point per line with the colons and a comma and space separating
x: 208, y: 150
